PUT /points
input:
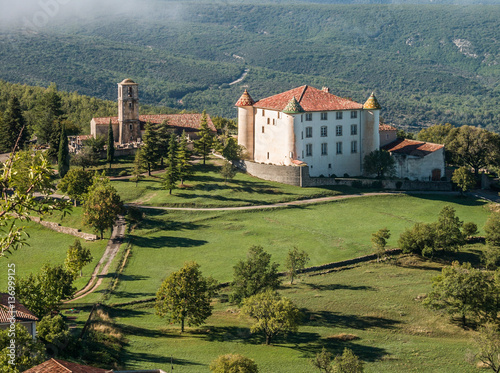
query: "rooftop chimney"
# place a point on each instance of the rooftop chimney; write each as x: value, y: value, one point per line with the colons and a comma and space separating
x: 325, y: 89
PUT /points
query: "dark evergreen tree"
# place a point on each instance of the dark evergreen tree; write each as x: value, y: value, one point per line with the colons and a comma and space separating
x: 171, y: 176
x: 149, y: 149
x: 183, y: 156
x: 163, y: 137
x: 204, y: 144
x: 110, y: 153
x: 63, y: 155
x: 13, y: 128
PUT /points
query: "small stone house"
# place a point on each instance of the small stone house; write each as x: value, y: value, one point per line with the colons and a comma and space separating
x: 23, y: 315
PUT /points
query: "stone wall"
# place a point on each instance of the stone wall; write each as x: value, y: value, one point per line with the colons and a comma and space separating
x: 66, y: 230
x: 299, y: 176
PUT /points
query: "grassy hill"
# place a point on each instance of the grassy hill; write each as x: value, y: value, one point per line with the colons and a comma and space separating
x: 427, y: 64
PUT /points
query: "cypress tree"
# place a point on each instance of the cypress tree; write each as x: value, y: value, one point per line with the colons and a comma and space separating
x: 183, y: 156
x: 205, y: 142
x: 63, y: 154
x: 13, y: 127
x: 110, y: 154
x: 172, y: 172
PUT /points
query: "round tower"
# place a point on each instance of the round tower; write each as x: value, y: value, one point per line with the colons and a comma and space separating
x: 246, y: 125
x: 293, y: 107
x: 128, y: 112
x: 370, y: 125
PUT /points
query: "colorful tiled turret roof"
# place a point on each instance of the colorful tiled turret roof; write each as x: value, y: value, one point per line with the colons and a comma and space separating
x: 245, y: 100
x: 372, y: 103
x: 293, y: 107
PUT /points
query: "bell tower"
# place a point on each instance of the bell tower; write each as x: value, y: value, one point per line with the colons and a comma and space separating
x: 128, y: 112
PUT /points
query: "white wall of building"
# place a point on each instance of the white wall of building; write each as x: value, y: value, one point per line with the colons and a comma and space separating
x: 419, y: 168
x: 272, y: 137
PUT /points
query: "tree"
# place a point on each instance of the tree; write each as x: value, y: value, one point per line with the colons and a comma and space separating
x: 448, y: 234
x: 402, y: 134
x: 76, y: 184
x: 227, y: 171
x: 185, y: 295
x: 492, y: 229
x: 233, y: 363
x: 63, y: 155
x: 224, y: 125
x: 13, y: 130
x: 379, y: 240
x: 474, y: 147
x: 487, y: 343
x: 461, y: 290
x: 53, y: 330
x: 139, y: 167
x: 163, y: 134
x: 254, y: 275
x: 231, y: 150
x: 28, y: 351
x: 323, y: 361
x: 48, y: 114
x: 183, y: 157
x: 295, y: 261
x: 85, y: 158
x: 437, y: 134
x: 348, y: 362
x: 102, y: 206
x: 273, y: 314
x: 77, y: 257
x: 110, y: 145
x: 21, y: 176
x: 204, y: 144
x: 464, y: 179
x: 379, y: 162
x: 150, y: 149
x: 171, y: 176
x: 419, y: 239
x: 42, y: 293
x: 469, y: 229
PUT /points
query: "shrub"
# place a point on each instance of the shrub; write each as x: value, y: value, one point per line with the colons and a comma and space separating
x: 399, y: 184
x: 123, y: 173
x: 233, y: 363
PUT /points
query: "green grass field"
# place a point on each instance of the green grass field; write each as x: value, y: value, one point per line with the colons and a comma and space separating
x: 328, y: 232
x: 375, y: 303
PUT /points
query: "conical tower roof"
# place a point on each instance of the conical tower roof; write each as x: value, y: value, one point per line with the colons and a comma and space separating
x: 293, y: 107
x: 245, y: 100
x: 372, y: 103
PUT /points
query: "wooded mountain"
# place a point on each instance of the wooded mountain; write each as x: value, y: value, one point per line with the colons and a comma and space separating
x: 427, y: 64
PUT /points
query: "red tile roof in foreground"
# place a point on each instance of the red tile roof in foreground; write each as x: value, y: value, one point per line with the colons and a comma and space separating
x: 310, y: 99
x: 386, y: 127
x: 176, y: 120
x: 61, y: 366
x: 412, y: 147
x: 22, y: 313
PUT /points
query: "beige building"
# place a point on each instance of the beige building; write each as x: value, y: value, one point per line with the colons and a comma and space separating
x: 309, y: 126
x: 129, y: 125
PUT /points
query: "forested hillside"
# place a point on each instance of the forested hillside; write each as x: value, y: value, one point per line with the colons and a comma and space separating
x: 427, y: 64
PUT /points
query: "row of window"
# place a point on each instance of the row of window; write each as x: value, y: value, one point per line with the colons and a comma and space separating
x: 324, y: 148
x: 338, y: 131
x: 324, y: 116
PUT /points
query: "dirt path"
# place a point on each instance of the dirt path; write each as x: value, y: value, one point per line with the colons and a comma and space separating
x: 112, y: 249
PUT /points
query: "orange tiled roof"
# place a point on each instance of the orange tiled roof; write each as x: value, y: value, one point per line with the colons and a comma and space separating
x: 61, y: 366
x: 310, y: 99
x: 372, y: 103
x: 386, y: 127
x: 175, y: 120
x: 412, y: 147
x: 22, y: 313
x: 245, y: 100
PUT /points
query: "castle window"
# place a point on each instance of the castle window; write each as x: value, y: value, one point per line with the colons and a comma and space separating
x: 354, y: 129
x: 131, y: 127
x: 302, y: 118
x: 329, y: 165
x: 309, y: 150
x: 354, y: 146
x: 274, y: 121
x: 324, y: 131
x: 309, y: 117
x: 267, y: 155
x: 268, y: 120
x: 129, y: 91
x: 339, y: 148
x: 262, y: 129
x: 324, y: 148
x: 263, y: 112
x: 354, y: 114
x: 309, y: 132
x: 279, y: 115
x: 338, y: 130
x: 324, y: 116
x: 339, y: 115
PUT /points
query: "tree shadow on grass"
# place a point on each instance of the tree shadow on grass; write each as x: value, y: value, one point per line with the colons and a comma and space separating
x: 127, y: 295
x: 333, y: 287
x: 231, y: 334
x: 166, y: 241
x: 167, y: 225
x: 452, y: 198
x: 328, y: 318
x: 165, y: 361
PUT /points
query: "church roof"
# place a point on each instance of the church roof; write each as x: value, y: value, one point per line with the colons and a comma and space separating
x: 293, y: 107
x: 22, y: 313
x: 372, y: 103
x: 187, y: 121
x: 61, y: 366
x: 310, y: 99
x: 128, y: 81
x: 412, y: 147
x: 245, y: 100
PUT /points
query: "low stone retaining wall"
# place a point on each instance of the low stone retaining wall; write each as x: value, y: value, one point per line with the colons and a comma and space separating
x: 66, y: 230
x: 299, y: 176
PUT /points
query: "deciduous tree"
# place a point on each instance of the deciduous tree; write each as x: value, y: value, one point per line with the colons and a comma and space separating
x: 323, y: 361
x: 464, y: 179
x: 348, y: 362
x: 295, y: 261
x: 76, y: 184
x: 379, y: 240
x: 379, y: 162
x: 492, y: 229
x: 273, y: 314
x: 487, y: 343
x: 28, y: 351
x: 227, y: 171
x: 185, y: 295
x: 255, y: 274
x: 233, y: 363
x: 77, y: 257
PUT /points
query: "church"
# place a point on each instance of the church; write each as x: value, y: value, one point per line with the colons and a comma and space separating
x: 129, y: 126
x: 309, y: 126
